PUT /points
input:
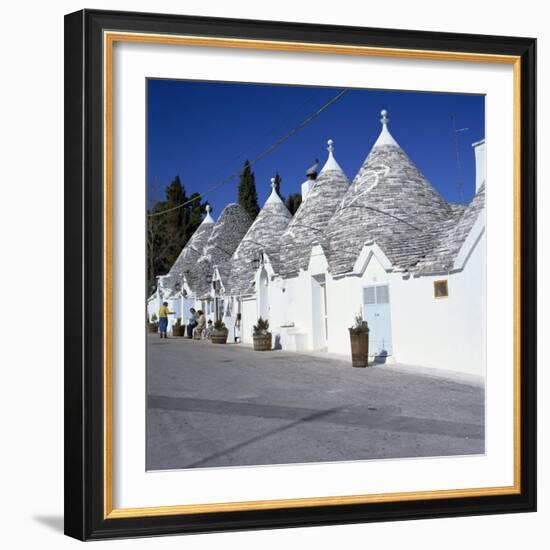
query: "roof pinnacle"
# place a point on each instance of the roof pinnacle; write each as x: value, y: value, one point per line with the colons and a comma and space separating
x: 274, y: 196
x: 331, y: 163
x: 385, y: 138
x: 208, y: 218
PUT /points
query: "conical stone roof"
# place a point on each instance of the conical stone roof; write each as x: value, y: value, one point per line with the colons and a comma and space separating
x: 190, y: 253
x: 453, y: 235
x: 263, y: 236
x: 389, y: 201
x: 309, y: 223
x: 224, y: 239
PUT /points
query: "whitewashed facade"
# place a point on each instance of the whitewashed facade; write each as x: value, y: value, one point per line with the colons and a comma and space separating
x: 387, y: 247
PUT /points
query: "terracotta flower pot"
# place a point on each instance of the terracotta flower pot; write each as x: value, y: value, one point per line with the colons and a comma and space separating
x: 218, y: 337
x: 262, y: 342
x: 359, y: 348
x: 152, y: 327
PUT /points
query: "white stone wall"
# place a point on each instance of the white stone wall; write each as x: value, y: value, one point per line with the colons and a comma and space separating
x: 292, y: 307
x: 345, y: 301
x: 248, y: 319
x: 446, y: 333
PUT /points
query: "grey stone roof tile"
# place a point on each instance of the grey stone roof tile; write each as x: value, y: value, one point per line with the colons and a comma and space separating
x: 310, y: 222
x: 224, y: 239
x: 188, y: 257
x: 441, y: 257
x: 263, y: 236
x: 389, y: 202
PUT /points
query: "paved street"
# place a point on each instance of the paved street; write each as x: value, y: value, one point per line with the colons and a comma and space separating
x: 226, y: 405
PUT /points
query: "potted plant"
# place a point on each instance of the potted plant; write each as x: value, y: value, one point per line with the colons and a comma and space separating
x: 359, y: 337
x: 178, y: 329
x: 261, y: 336
x: 218, y: 335
x: 152, y: 325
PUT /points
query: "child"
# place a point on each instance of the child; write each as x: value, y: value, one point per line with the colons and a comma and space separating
x: 208, y: 331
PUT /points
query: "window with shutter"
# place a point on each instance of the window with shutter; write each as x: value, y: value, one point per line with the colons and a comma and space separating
x: 382, y: 294
x: 369, y: 296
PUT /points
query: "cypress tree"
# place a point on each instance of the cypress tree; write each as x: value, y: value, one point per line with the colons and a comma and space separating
x: 247, y: 195
x: 293, y: 202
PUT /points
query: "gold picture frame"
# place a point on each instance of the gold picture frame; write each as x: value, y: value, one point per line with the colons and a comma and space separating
x: 101, y: 30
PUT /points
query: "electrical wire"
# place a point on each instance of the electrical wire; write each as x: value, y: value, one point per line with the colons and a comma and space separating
x: 266, y: 152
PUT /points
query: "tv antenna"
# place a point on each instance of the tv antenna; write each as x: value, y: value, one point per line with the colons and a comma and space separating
x: 457, y: 131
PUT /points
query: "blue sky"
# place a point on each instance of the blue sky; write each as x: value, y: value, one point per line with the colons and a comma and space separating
x: 203, y: 132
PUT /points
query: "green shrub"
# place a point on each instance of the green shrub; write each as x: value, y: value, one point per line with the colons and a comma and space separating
x: 262, y: 328
x: 219, y: 326
x: 360, y: 325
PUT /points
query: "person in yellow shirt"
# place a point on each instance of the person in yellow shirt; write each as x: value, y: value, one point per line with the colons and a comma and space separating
x: 163, y: 319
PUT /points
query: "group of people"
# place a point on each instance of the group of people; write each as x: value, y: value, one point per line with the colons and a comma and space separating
x: 197, y: 327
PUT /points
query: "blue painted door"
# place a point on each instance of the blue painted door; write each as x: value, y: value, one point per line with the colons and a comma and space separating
x: 376, y: 311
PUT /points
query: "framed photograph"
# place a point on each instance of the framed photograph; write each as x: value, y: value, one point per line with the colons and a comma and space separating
x: 300, y: 274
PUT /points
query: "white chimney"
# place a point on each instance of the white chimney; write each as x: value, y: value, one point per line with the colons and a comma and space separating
x: 306, y: 188
x: 479, y: 151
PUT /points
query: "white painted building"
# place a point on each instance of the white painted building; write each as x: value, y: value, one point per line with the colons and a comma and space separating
x: 387, y: 247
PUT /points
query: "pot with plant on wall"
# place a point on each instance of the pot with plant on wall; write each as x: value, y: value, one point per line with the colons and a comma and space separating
x: 152, y: 325
x: 359, y: 338
x: 178, y: 329
x: 218, y: 334
x: 261, y: 336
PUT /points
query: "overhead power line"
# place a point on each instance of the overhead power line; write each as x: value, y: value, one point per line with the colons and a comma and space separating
x: 266, y: 152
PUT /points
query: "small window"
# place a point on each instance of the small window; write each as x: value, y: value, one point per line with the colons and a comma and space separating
x: 441, y: 289
x: 382, y: 294
x: 368, y: 295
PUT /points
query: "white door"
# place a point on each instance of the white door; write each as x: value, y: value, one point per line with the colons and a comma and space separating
x: 248, y: 319
x: 319, y: 312
x: 376, y: 311
x: 263, y: 309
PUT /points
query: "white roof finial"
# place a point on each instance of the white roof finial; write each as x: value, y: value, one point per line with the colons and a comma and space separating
x: 208, y: 218
x: 274, y: 196
x: 385, y: 138
x: 331, y: 163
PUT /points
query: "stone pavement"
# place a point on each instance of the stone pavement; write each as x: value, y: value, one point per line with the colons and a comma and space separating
x: 225, y: 405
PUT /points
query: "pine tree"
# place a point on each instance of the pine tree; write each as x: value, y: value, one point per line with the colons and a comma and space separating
x: 293, y: 202
x: 247, y: 195
x: 177, y: 220
x: 168, y: 233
